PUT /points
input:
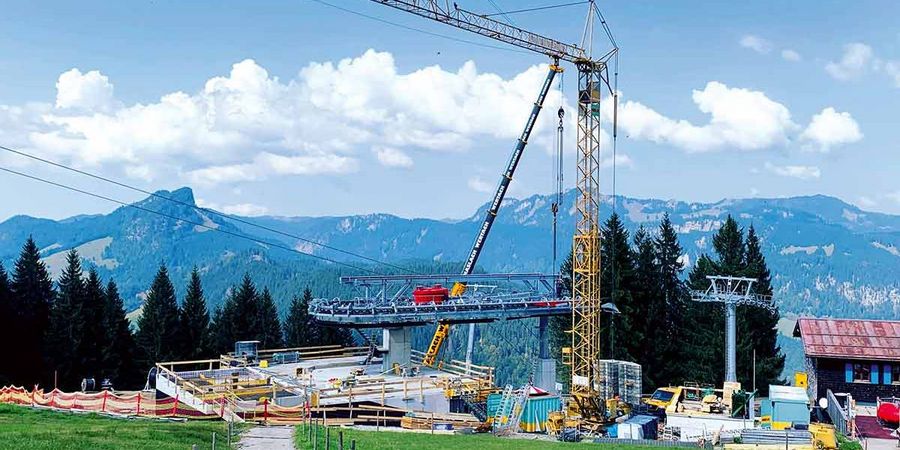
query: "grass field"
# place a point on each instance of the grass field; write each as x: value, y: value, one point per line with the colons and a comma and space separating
x: 394, y: 440
x: 25, y: 428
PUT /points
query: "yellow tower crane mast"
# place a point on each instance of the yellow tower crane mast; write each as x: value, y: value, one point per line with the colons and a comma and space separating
x: 593, y: 78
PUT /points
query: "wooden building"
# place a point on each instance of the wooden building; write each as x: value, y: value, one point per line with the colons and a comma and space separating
x: 858, y: 357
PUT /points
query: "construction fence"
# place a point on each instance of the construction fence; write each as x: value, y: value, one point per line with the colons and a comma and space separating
x: 145, y: 404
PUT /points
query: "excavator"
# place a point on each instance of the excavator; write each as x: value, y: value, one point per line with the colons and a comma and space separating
x: 459, y: 289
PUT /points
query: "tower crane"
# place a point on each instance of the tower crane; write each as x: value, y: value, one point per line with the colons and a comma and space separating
x: 593, y: 76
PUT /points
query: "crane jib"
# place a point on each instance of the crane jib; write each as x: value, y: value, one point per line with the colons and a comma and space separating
x: 508, y: 175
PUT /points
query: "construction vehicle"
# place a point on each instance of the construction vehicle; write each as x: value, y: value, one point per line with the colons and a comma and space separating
x: 692, y: 398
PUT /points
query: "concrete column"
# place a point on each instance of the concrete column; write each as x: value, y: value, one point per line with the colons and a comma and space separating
x: 398, y: 343
x: 545, y: 372
x: 730, y: 341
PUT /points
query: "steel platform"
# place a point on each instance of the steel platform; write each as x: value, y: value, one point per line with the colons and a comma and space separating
x: 386, y: 301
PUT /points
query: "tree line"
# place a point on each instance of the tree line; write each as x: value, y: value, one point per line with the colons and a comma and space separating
x: 60, y: 333
x: 674, y: 339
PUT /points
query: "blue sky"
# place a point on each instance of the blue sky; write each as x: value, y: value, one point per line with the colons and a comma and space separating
x: 298, y: 108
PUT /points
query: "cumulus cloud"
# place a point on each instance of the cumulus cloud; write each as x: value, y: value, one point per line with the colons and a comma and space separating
x: 392, y: 157
x: 790, y: 55
x: 854, y: 62
x: 892, y: 68
x: 89, y: 91
x: 867, y: 202
x: 739, y: 118
x: 756, y: 43
x: 249, y: 125
x: 478, y: 184
x: 799, y: 172
x: 830, y: 128
x: 238, y: 209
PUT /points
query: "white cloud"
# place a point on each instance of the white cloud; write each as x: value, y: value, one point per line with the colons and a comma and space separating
x: 799, y: 172
x: 392, y: 157
x: 790, y: 55
x: 739, y: 118
x: 830, y: 128
x: 622, y: 160
x: 245, y: 209
x: 90, y: 91
x: 854, y: 62
x: 892, y: 68
x: 478, y: 184
x: 867, y: 202
x: 250, y: 125
x: 238, y: 209
x: 756, y: 43
x: 895, y: 196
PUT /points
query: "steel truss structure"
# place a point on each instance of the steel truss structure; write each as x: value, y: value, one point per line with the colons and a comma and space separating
x: 385, y: 301
x: 732, y: 291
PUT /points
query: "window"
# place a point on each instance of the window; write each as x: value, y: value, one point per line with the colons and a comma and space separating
x: 895, y: 373
x: 663, y: 396
x: 862, y: 373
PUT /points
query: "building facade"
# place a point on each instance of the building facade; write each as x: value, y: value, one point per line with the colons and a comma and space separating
x: 857, y: 357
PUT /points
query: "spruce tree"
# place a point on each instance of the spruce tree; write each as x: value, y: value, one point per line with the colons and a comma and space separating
x: 269, y: 326
x: 220, y: 331
x: 245, y: 313
x: 6, y: 323
x: 67, y: 324
x: 703, y: 333
x: 675, y: 296
x: 119, y: 360
x: 652, y: 322
x: 158, y: 327
x: 94, y: 333
x: 757, y: 326
x: 296, y: 327
x: 32, y: 295
x: 616, y: 283
x: 195, y: 331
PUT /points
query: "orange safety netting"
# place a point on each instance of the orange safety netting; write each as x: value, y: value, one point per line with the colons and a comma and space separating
x: 144, y: 404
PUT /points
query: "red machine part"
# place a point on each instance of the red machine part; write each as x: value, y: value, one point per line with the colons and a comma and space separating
x: 889, y: 412
x: 435, y: 294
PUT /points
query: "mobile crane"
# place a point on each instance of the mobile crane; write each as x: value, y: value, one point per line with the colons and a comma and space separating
x: 593, y: 75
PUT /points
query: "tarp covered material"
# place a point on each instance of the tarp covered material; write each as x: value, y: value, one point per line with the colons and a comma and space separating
x: 638, y: 427
x: 537, y: 410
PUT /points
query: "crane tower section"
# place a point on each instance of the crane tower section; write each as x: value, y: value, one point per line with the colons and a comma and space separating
x: 586, y: 241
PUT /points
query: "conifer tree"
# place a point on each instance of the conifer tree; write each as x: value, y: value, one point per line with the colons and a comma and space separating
x: 269, y: 326
x: 673, y: 292
x: 651, y: 306
x: 238, y: 318
x: 616, y: 284
x: 757, y: 326
x: 195, y: 330
x: 93, y: 333
x: 297, y: 332
x: 32, y: 295
x: 118, y: 359
x: 158, y: 327
x: 219, y: 331
x: 67, y: 323
x: 6, y: 323
x: 560, y: 325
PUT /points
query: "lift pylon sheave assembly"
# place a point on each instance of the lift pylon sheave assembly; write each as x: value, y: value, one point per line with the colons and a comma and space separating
x: 731, y: 292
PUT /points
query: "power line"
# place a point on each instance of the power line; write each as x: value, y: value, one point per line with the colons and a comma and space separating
x: 419, y: 30
x: 500, y: 12
x: 198, y: 208
x: 536, y: 8
x: 174, y: 217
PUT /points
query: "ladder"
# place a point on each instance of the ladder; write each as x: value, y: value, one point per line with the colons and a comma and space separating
x: 478, y: 409
x: 509, y: 411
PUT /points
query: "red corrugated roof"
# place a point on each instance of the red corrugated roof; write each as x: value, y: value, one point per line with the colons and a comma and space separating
x: 850, y: 338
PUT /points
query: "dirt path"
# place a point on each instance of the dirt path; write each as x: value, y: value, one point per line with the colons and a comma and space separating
x: 268, y: 438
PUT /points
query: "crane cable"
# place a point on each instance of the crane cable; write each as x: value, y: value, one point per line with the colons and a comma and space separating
x: 181, y: 219
x: 198, y: 208
x: 558, y: 169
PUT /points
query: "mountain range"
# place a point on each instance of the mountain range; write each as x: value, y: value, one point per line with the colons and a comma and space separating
x: 827, y: 257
